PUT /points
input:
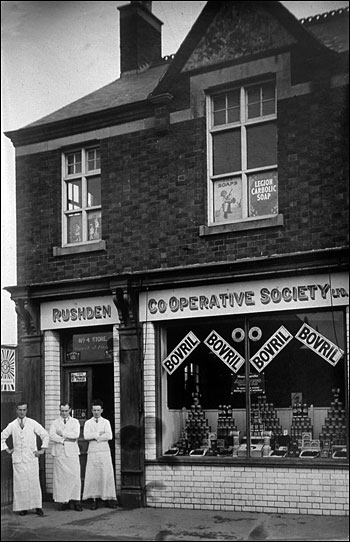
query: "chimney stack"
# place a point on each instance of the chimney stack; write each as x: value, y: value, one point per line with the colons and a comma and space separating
x: 140, y: 36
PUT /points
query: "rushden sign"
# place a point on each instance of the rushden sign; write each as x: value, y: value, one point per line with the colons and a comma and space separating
x: 224, y: 351
x: 319, y: 344
x: 180, y: 353
x: 271, y: 348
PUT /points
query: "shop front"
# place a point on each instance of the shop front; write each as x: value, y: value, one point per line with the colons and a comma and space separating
x: 81, y: 364
x: 245, y: 395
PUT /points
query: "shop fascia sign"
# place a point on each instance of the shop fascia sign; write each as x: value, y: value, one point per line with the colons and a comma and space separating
x: 272, y: 347
x: 288, y: 293
x: 90, y: 311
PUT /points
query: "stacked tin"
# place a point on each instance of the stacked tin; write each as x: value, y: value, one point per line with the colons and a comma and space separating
x: 264, y: 418
x: 226, y: 424
x: 301, y: 422
x: 197, y: 428
x: 334, y: 428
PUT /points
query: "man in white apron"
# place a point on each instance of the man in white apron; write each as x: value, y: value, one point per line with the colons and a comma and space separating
x: 99, y: 475
x: 64, y: 433
x: 25, y: 460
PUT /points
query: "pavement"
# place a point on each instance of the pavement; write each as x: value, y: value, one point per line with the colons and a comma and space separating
x: 171, y: 524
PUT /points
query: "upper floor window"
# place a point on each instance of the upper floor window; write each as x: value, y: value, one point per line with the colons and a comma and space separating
x: 242, y: 143
x: 81, y: 196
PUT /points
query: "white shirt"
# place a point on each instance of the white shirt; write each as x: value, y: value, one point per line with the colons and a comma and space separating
x: 24, y: 440
x: 100, y: 430
x: 59, y: 431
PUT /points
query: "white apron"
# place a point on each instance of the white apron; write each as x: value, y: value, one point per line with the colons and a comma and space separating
x: 26, y: 486
x: 66, y: 462
x: 66, y: 479
x: 99, y: 475
x: 26, y: 482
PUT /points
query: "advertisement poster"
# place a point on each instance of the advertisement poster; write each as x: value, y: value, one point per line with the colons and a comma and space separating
x: 263, y: 193
x: 257, y: 384
x: 94, y: 226
x: 227, y: 200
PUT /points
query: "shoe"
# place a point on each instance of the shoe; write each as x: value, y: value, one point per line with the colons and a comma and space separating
x: 39, y: 512
x: 23, y: 513
x: 94, y: 505
x: 78, y: 507
x: 63, y: 506
x: 111, y: 504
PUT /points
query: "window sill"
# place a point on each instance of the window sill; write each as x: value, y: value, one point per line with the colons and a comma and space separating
x: 79, y: 249
x: 254, y: 462
x: 254, y: 224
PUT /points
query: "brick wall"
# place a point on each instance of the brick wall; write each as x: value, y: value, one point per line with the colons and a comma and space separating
x: 150, y: 394
x: 116, y: 364
x: 52, y: 394
x: 253, y: 489
x: 154, y: 198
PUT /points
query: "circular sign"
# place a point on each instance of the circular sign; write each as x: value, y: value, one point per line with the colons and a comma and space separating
x: 255, y: 333
x: 238, y: 334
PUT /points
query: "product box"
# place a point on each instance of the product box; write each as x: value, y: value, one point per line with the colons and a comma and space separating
x: 280, y: 452
x: 339, y: 452
x: 256, y: 450
x: 242, y: 450
x: 235, y: 450
x: 310, y: 449
x: 199, y: 451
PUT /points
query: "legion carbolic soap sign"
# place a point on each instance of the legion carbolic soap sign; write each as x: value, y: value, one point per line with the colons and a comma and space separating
x: 263, y: 193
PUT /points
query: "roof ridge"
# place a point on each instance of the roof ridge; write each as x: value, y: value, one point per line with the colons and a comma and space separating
x: 321, y: 17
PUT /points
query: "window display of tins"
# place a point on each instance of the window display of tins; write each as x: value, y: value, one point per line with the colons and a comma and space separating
x: 264, y: 418
x: 280, y: 445
x: 225, y: 424
x: 334, y: 428
x: 195, y: 431
x: 301, y: 422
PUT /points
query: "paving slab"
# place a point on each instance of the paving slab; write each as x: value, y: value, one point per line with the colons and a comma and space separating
x: 168, y: 524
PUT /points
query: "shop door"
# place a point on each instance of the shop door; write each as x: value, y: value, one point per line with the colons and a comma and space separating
x: 83, y: 384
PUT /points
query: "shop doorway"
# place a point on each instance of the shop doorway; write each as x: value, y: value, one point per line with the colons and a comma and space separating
x: 83, y: 384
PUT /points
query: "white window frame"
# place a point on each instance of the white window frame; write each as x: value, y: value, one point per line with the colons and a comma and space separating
x: 243, y: 123
x: 84, y: 210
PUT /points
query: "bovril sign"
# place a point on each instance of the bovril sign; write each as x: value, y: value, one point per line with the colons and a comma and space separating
x: 290, y: 293
x: 90, y: 311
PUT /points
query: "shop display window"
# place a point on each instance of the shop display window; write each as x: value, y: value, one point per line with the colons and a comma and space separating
x: 294, y: 405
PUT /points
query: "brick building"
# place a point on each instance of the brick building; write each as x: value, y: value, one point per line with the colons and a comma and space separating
x: 182, y: 254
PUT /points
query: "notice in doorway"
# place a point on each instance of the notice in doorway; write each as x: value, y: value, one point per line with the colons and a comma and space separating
x: 78, y: 377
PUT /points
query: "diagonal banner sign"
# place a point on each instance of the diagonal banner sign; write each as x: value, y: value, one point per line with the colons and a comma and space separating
x: 180, y: 353
x: 224, y: 351
x: 271, y: 348
x: 319, y: 344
